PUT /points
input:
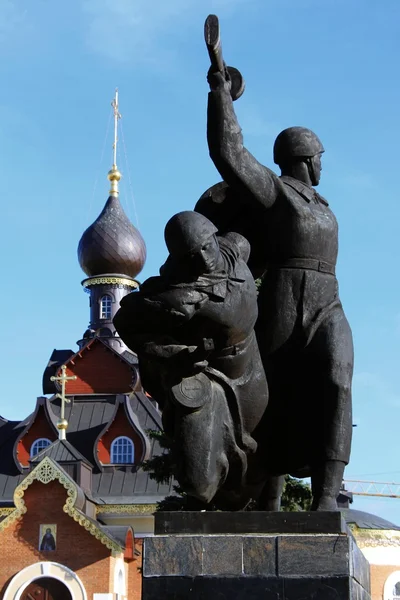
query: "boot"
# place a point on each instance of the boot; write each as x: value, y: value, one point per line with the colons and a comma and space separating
x: 326, y: 480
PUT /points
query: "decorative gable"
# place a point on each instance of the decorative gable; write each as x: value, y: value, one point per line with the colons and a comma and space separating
x: 120, y: 426
x: 39, y: 427
x: 72, y: 461
x: 46, y: 473
x: 99, y: 370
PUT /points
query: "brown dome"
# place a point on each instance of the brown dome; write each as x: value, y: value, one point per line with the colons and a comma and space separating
x: 112, y: 244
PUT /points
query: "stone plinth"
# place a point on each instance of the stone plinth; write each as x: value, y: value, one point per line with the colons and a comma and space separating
x: 273, y: 556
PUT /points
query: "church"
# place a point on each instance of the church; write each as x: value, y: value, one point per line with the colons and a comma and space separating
x: 75, y: 502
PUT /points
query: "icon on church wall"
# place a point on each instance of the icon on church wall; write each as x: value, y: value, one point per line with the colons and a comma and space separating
x: 47, y: 538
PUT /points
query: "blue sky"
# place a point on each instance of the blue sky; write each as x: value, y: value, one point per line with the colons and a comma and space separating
x: 330, y: 65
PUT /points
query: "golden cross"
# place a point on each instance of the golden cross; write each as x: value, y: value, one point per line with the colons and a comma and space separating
x: 117, y: 116
x: 63, y: 378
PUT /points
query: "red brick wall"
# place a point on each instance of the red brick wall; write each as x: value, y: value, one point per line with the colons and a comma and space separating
x: 40, y: 428
x: 98, y: 371
x: 120, y: 426
x: 379, y: 575
x: 135, y: 574
x: 76, y: 548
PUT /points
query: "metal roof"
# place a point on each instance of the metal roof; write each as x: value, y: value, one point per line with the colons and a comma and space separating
x: 118, y: 532
x: 57, y: 358
x: 87, y: 417
x: 365, y: 520
x: 60, y: 451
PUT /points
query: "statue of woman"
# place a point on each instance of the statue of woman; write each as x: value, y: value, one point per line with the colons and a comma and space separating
x: 193, y: 330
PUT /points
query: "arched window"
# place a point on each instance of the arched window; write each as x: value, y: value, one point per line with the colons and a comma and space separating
x: 105, y: 307
x: 39, y: 445
x: 122, y: 451
x: 121, y: 583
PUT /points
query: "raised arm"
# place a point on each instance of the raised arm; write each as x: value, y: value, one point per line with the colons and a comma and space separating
x: 236, y: 165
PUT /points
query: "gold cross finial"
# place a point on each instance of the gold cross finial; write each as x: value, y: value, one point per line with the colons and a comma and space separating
x: 117, y: 116
x: 114, y: 175
x: 63, y: 378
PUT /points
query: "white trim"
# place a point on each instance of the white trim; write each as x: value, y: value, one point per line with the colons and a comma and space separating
x: 383, y: 555
x: 38, y: 570
x: 112, y: 301
x: 389, y: 585
x: 119, y: 568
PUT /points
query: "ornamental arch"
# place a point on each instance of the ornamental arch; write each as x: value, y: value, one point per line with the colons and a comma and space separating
x: 40, y: 570
x: 392, y: 586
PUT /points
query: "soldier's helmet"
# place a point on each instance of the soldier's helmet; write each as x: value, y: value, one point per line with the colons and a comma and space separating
x: 296, y: 143
x: 187, y: 231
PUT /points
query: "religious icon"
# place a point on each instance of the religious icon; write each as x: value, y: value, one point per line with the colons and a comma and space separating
x: 47, y: 538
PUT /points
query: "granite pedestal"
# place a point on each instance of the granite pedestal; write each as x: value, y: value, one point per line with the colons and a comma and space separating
x: 271, y: 556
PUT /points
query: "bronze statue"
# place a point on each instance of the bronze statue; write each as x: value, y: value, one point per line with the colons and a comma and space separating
x: 193, y: 330
x: 303, y: 335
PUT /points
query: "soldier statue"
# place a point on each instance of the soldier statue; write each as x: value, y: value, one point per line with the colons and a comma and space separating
x: 303, y: 335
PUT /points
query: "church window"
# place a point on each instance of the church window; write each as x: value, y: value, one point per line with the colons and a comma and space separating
x: 122, y: 451
x: 120, y: 584
x: 39, y: 445
x: 105, y: 307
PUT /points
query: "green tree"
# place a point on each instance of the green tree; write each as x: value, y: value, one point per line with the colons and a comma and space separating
x: 161, y: 468
x: 296, y: 494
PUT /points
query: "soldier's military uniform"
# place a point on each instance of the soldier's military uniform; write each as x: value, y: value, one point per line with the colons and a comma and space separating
x: 304, y: 337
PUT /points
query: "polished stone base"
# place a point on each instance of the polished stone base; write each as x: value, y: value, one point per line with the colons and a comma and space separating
x: 198, y: 564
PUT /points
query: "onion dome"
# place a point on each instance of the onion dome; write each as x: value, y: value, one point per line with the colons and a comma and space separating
x: 112, y: 244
